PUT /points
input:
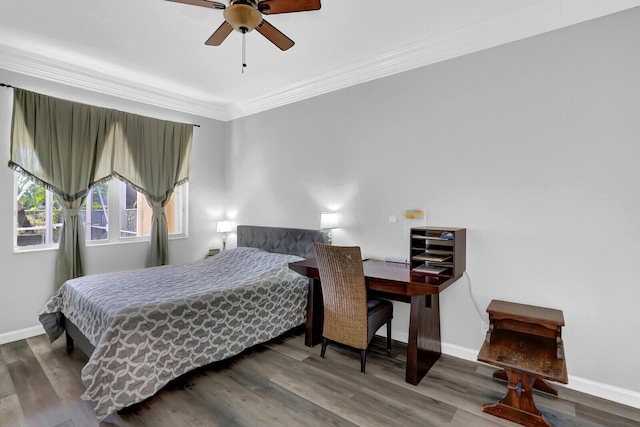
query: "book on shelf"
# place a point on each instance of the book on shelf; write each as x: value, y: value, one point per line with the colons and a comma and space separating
x: 432, y: 251
x: 430, y: 237
x: 430, y: 269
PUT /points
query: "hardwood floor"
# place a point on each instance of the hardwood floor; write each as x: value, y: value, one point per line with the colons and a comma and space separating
x: 283, y: 383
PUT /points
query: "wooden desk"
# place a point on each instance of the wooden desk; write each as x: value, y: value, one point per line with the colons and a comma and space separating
x: 395, y: 282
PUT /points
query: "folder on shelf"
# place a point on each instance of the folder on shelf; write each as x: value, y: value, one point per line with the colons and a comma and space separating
x: 430, y: 257
x: 429, y: 269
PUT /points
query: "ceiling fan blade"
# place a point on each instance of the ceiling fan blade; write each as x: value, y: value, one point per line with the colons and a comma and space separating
x: 203, y: 3
x: 274, y: 35
x: 219, y: 35
x: 271, y: 7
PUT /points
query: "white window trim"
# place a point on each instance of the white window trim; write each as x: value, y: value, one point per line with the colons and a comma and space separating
x: 114, y: 238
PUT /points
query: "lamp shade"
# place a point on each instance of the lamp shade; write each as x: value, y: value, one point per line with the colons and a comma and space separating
x: 224, y: 226
x: 329, y: 220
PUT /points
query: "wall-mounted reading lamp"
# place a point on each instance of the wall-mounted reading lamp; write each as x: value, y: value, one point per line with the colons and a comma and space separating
x: 329, y: 221
x: 224, y: 227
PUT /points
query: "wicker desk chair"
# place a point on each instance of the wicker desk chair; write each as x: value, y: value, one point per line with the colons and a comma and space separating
x: 350, y: 318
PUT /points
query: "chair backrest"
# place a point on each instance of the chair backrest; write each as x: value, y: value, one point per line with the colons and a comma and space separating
x: 344, y: 294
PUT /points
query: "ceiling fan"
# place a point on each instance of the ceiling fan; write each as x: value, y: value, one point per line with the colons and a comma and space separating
x: 246, y: 15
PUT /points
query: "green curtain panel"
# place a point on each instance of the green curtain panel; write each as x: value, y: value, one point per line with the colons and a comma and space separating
x: 154, y: 157
x: 64, y: 146
x: 69, y: 147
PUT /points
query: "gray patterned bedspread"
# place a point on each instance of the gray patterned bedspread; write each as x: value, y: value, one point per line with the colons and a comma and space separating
x: 152, y: 325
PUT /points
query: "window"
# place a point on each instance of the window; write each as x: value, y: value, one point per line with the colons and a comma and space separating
x: 95, y: 213
x: 135, y: 214
x: 39, y: 214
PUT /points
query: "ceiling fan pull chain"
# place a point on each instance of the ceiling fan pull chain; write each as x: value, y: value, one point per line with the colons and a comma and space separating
x: 244, y: 47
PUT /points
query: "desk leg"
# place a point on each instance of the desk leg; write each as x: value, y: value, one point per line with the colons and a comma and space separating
x: 424, y: 348
x: 517, y: 405
x: 315, y: 314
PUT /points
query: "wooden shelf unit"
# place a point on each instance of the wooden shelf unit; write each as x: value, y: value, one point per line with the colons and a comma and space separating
x: 432, y: 254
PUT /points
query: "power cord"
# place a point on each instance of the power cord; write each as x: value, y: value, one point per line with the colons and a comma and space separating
x: 475, y: 304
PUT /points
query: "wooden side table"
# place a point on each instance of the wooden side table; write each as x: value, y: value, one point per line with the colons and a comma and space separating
x: 529, y: 319
x: 212, y: 252
x: 526, y: 342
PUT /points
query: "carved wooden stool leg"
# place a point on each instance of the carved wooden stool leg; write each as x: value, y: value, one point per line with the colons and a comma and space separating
x: 517, y: 405
x: 539, y: 384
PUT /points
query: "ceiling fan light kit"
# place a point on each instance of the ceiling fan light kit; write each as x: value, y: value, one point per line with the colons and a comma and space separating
x: 243, y: 16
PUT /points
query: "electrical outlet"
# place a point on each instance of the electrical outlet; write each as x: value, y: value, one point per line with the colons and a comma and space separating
x: 484, y: 327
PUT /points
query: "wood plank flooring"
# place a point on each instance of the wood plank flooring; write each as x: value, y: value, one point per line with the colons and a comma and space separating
x: 283, y: 383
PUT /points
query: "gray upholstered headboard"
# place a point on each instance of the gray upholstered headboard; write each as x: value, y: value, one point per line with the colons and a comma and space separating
x: 293, y: 241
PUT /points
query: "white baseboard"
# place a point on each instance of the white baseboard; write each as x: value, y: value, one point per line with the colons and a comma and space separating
x: 604, y: 391
x: 461, y: 352
x: 21, y: 334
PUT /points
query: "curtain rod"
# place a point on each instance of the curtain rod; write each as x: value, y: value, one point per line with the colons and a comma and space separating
x: 9, y: 86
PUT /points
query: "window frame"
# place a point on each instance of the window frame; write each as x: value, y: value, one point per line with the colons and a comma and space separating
x: 114, y: 218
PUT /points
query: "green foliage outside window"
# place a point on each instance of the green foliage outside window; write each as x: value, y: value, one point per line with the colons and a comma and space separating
x: 32, y: 200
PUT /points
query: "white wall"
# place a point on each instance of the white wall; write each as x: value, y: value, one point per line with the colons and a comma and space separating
x: 532, y: 146
x: 28, y: 278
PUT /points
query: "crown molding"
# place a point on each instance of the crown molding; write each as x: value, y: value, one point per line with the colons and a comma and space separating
x: 54, y: 70
x: 538, y: 18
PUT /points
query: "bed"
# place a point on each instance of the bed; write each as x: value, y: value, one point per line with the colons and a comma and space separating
x: 142, y: 328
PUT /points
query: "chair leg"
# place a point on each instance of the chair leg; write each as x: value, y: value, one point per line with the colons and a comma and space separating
x: 363, y: 360
x: 324, y: 346
x: 389, y: 337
